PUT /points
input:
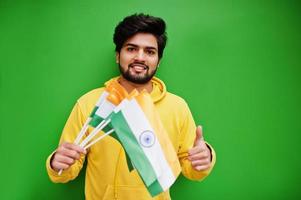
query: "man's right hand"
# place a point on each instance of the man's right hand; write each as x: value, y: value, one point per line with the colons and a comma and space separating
x: 65, y: 155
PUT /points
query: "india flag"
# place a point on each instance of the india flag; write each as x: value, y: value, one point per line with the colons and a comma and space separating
x: 139, y: 128
x: 113, y: 94
x: 110, y: 98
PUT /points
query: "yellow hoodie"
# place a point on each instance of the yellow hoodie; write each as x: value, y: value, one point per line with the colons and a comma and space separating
x: 107, y: 173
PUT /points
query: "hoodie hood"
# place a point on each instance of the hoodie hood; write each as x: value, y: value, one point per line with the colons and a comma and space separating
x: 158, y: 92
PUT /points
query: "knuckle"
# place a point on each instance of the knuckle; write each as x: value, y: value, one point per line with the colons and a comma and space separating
x: 56, y: 156
x: 66, y: 145
x: 59, y: 150
x: 74, y: 154
x: 54, y: 164
x: 63, y: 145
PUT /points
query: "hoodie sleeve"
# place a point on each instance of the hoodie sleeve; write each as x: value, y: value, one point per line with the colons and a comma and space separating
x: 187, y: 137
x: 70, y: 131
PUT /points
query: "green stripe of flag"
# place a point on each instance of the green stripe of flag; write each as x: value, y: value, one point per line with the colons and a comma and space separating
x: 155, y: 188
x: 96, y: 120
x: 133, y: 148
x: 93, y: 111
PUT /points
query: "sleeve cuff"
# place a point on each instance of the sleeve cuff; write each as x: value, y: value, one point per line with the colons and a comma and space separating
x: 53, y: 175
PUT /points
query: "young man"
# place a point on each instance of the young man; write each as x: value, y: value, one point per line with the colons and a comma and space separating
x: 140, y: 41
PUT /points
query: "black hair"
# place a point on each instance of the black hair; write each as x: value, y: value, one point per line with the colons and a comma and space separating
x: 140, y: 23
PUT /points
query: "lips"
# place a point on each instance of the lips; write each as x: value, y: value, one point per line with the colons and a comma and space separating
x: 138, y: 67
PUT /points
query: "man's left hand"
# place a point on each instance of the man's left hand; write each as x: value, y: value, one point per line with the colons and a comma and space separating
x: 200, y: 154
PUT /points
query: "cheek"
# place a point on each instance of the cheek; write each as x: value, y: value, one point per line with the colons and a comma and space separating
x: 125, y: 59
x: 125, y: 56
x: 153, y: 62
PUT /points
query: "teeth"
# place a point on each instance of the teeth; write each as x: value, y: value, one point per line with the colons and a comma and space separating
x: 139, y: 66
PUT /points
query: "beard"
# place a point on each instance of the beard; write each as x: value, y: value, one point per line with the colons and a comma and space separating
x: 140, y: 78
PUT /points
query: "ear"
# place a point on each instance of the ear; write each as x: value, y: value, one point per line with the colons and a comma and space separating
x: 117, y: 57
x: 158, y: 65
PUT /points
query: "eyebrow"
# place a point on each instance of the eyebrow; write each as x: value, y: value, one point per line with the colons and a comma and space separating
x: 147, y: 47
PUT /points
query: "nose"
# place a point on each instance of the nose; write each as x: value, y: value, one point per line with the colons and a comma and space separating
x: 140, y: 56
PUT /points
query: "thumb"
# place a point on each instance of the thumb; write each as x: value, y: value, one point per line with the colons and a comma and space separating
x: 199, y: 135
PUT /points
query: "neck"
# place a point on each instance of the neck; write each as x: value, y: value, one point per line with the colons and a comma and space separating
x: 130, y: 86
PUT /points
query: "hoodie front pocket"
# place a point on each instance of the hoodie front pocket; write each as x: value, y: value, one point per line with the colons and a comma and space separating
x: 127, y: 192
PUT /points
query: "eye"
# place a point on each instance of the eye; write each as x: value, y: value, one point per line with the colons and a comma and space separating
x: 130, y: 49
x: 150, y: 52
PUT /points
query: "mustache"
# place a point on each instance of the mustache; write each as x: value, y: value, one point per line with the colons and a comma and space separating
x: 139, y: 64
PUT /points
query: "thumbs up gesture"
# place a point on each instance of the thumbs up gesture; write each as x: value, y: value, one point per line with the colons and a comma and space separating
x: 200, y: 154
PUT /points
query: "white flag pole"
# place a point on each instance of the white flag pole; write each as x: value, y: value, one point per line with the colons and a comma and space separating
x: 100, y: 126
x: 99, y: 138
x: 83, y: 131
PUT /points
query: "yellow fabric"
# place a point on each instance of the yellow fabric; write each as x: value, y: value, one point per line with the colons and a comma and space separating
x: 107, y: 174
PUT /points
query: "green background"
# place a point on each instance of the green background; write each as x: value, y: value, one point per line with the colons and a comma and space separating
x: 237, y: 64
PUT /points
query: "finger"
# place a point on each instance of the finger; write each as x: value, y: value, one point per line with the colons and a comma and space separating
x: 74, y: 147
x: 201, y: 155
x: 197, y: 149
x: 202, y: 167
x: 58, y: 166
x: 64, y: 159
x: 200, y: 162
x: 69, y: 153
x: 199, y: 135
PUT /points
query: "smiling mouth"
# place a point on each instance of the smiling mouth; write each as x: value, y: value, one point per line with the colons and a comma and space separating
x: 138, y: 67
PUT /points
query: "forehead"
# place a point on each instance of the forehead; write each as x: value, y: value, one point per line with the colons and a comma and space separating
x: 144, y: 40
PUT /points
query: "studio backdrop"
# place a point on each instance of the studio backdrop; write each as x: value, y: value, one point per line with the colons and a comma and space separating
x: 236, y: 63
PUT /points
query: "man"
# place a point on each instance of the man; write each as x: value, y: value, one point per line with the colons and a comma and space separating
x: 140, y: 41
